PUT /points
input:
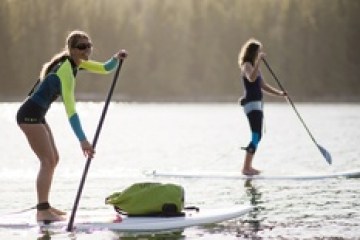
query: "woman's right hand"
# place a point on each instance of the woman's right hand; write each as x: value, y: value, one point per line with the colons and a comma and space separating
x: 87, y: 149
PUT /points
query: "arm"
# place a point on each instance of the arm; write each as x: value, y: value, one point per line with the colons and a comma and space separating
x: 67, y: 82
x: 104, y: 68
x: 271, y: 90
x: 98, y: 67
x: 251, y: 72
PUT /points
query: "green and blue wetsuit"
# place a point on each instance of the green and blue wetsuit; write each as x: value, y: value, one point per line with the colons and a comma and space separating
x: 60, y: 82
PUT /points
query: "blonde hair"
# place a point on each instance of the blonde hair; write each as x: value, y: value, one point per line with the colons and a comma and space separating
x: 71, y: 42
x: 249, y: 51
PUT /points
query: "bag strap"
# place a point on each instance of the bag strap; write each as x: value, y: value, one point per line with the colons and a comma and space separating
x: 163, y: 214
x: 120, y: 211
x: 194, y: 208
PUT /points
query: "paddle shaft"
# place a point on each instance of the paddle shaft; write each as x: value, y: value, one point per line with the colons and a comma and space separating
x: 321, y: 149
x: 96, y: 137
x: 290, y: 101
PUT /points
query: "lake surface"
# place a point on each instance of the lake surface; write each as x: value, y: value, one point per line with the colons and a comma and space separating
x: 137, y: 138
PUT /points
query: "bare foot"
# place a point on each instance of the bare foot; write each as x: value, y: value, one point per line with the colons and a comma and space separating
x: 48, y: 216
x: 250, y: 172
x: 57, y: 211
x: 117, y: 219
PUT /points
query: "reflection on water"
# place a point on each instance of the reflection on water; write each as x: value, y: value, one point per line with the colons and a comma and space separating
x: 155, y: 236
x: 255, y: 200
x: 110, y: 235
x: 45, y: 235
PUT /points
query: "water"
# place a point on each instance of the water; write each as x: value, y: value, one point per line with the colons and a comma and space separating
x: 197, y: 137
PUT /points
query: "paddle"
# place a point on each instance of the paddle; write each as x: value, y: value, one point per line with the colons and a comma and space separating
x: 96, y: 137
x: 323, y: 151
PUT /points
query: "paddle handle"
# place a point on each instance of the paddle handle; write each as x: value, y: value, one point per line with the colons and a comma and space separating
x: 95, y: 140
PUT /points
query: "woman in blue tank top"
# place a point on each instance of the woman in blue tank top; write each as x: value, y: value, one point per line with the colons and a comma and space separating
x: 250, y: 58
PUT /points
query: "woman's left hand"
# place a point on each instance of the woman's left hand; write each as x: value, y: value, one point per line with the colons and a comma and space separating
x: 261, y: 55
x: 122, y: 54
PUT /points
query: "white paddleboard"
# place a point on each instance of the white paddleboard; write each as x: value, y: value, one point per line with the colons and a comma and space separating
x: 134, y: 224
x: 238, y: 175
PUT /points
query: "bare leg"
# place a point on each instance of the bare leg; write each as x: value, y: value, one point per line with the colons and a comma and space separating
x: 41, y: 142
x: 54, y: 210
x: 255, y: 118
x: 248, y: 169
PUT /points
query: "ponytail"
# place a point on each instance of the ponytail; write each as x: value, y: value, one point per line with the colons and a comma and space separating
x: 52, y: 63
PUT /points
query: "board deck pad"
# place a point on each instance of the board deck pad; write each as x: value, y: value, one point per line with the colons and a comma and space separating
x: 131, y: 224
x: 238, y: 175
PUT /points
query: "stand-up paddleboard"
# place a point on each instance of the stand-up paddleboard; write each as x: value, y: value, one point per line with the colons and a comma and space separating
x: 238, y: 175
x: 133, y: 224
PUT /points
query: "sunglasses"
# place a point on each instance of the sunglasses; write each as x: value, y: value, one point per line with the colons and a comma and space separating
x: 83, y: 46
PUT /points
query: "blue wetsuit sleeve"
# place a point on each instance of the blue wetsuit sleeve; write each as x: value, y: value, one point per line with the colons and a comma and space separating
x: 76, y: 126
x: 111, y: 64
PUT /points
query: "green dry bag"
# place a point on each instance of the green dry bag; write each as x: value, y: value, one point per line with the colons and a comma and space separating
x: 149, y: 199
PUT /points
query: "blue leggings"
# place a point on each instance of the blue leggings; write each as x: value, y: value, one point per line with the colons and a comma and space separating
x: 255, y: 118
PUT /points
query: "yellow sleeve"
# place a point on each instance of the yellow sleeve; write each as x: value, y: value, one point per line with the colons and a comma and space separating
x: 98, y: 67
x: 67, y: 81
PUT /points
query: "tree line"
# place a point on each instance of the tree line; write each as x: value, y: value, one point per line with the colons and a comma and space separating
x: 187, y: 50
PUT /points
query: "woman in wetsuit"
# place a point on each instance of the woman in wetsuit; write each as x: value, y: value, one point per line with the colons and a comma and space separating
x: 57, y: 78
x: 250, y: 58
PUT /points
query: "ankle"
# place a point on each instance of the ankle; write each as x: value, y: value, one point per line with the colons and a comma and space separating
x: 43, y: 206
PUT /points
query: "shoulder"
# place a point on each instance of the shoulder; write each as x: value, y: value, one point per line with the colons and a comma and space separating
x: 246, y: 66
x: 65, y: 70
x: 66, y: 64
x: 246, y: 69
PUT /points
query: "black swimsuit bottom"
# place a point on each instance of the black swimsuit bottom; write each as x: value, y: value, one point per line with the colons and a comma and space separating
x: 31, y: 113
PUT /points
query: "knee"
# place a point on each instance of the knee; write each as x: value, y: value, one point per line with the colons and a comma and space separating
x: 49, y: 163
x: 56, y: 160
x: 255, y: 140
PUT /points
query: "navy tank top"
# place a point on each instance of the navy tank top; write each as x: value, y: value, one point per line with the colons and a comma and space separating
x: 252, y: 90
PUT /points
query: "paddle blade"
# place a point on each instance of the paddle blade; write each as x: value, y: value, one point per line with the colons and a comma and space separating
x: 325, y: 153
